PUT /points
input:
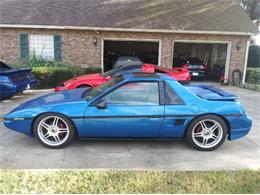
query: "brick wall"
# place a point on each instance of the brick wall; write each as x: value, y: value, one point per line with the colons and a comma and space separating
x: 78, y: 47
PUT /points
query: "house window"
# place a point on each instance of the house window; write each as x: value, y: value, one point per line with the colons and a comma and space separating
x: 42, y: 46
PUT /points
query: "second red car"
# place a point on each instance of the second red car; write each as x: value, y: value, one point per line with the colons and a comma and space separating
x: 92, y: 80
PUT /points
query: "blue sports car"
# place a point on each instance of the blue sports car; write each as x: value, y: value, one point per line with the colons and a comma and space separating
x: 134, y: 106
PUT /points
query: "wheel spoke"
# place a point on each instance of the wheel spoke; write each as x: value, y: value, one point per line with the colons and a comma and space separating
x: 63, y: 130
x: 214, y: 127
x: 45, y: 125
x: 57, y: 138
x: 214, y: 137
x: 55, y: 121
x: 198, y: 134
x: 203, y: 125
x: 205, y: 141
x: 47, y: 135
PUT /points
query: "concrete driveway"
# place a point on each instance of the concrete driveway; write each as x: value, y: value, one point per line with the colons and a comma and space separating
x: 19, y: 151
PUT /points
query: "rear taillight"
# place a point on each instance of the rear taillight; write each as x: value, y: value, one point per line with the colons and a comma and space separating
x: 202, y: 67
x: 188, y: 77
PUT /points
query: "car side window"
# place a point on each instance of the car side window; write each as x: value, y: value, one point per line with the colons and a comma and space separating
x: 138, y: 93
x: 171, y: 98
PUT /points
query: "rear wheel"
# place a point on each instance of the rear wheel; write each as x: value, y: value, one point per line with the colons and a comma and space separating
x: 207, y: 132
x: 54, y: 130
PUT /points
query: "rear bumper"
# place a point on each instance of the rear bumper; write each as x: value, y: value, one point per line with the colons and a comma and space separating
x: 8, y: 90
x: 197, y: 73
x: 239, y: 126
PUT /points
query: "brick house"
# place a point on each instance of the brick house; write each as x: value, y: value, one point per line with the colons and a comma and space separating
x: 93, y: 33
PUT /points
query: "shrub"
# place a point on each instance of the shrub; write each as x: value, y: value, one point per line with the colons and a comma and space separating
x: 37, y: 62
x: 253, y: 75
x: 49, y: 74
x: 49, y: 77
x: 253, y: 79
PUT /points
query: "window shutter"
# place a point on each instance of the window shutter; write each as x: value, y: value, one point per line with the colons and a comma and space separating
x: 24, y: 49
x: 57, y: 48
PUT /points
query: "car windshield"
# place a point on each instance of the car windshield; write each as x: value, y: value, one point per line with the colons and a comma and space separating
x: 101, y: 88
x: 194, y: 61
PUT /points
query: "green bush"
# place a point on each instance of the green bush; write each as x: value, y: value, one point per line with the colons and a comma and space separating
x: 49, y: 77
x: 36, y: 62
x: 253, y: 79
x: 253, y: 75
x: 49, y: 74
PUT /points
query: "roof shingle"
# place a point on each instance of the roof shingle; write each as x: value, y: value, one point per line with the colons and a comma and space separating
x: 201, y: 15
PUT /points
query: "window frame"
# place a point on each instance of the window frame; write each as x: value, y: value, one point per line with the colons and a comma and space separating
x: 51, y: 58
x: 160, y: 93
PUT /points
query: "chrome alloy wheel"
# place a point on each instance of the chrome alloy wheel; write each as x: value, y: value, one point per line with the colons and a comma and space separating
x: 207, y: 133
x: 53, y: 130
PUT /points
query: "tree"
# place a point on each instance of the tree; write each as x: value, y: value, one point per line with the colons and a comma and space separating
x: 252, y: 7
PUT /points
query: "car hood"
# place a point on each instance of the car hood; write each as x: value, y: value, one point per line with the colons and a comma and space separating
x: 85, y: 77
x: 54, y: 98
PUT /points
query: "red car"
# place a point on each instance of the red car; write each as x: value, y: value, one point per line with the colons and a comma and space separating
x: 92, y: 80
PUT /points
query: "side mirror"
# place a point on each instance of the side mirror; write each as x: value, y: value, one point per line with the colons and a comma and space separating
x: 102, y: 104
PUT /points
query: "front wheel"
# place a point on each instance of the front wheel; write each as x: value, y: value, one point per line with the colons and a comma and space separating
x: 207, y: 132
x: 54, y: 130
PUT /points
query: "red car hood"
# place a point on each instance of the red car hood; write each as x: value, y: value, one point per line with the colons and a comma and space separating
x: 86, y: 77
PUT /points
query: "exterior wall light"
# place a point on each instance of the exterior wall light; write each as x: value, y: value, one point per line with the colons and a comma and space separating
x: 238, y: 46
x: 95, y: 40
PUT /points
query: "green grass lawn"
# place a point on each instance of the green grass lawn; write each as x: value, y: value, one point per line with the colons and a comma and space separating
x: 85, y: 181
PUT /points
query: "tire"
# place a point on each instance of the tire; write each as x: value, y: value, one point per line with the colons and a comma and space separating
x: 207, y: 133
x: 54, y: 130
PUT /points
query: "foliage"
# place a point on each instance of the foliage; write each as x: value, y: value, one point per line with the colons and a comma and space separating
x: 253, y: 79
x: 49, y: 77
x: 252, y: 7
x: 36, y: 62
x: 84, y: 181
x: 49, y: 74
x: 253, y: 75
x: 254, y: 56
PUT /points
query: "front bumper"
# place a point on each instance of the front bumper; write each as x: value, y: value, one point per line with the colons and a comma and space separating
x: 20, y: 125
x: 9, y: 90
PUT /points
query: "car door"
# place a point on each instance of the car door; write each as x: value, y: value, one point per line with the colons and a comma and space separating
x: 132, y: 111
